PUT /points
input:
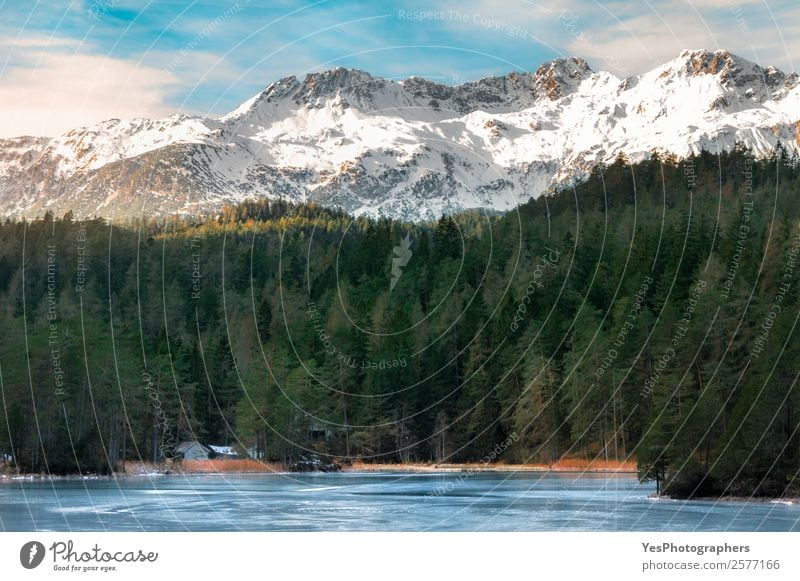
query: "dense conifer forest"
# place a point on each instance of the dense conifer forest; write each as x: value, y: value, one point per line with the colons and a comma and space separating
x: 648, y: 313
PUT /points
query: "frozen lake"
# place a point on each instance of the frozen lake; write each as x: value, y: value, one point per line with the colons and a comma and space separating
x: 489, y: 501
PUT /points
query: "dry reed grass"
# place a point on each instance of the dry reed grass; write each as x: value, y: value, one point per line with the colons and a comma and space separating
x: 240, y: 465
x: 563, y: 465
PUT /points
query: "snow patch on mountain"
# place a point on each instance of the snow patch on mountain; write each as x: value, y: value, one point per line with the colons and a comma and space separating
x: 412, y: 149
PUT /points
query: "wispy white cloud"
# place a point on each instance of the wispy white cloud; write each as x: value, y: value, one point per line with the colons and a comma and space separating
x: 630, y: 37
x: 49, y: 93
x: 10, y: 42
x: 207, y: 57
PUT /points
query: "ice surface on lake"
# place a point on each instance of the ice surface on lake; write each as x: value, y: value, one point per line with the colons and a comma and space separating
x: 373, y: 502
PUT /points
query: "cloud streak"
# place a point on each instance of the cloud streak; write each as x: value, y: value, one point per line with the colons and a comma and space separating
x: 52, y: 92
x: 78, y: 65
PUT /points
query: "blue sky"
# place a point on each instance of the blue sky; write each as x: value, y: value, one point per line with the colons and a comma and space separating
x: 66, y: 63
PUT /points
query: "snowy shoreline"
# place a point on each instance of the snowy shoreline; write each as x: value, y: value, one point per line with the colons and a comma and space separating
x: 399, y: 468
x: 790, y: 501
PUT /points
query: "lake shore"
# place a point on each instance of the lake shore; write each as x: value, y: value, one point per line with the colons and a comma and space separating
x: 787, y: 500
x: 254, y: 467
x: 249, y: 466
x: 148, y: 469
x: 567, y: 466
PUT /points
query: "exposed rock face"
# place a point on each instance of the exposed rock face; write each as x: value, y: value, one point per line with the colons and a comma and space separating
x: 750, y: 79
x: 560, y: 77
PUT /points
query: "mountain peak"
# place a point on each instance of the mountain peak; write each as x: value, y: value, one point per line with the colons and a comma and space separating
x: 274, y: 91
x: 327, y: 83
x: 412, y: 149
x: 340, y: 74
x: 567, y: 64
x: 560, y: 77
x: 706, y: 62
x: 735, y: 73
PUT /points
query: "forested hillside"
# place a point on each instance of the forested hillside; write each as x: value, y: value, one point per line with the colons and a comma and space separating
x: 649, y: 314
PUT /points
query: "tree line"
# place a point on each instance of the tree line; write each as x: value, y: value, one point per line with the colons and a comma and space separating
x: 647, y: 313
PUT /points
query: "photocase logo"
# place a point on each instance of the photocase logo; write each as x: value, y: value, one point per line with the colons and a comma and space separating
x: 31, y: 554
x: 402, y: 254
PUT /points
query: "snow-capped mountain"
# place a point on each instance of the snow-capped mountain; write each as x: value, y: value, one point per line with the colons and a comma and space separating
x: 412, y: 149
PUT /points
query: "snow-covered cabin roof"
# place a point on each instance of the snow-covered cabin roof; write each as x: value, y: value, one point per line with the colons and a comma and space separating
x: 224, y: 450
